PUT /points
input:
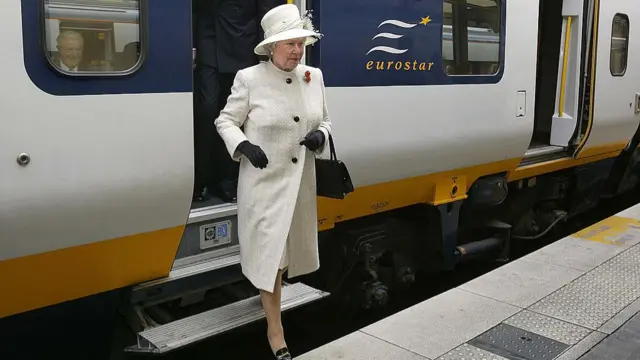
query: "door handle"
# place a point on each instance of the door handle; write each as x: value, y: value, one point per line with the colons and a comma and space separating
x: 637, y: 107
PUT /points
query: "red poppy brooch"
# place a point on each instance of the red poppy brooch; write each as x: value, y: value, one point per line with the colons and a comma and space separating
x: 307, y: 76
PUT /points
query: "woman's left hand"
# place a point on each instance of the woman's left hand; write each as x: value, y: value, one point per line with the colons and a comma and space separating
x: 313, y: 140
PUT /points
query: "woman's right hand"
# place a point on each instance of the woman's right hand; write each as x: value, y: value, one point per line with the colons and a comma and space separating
x: 254, y: 153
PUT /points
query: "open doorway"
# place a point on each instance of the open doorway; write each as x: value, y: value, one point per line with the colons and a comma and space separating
x: 549, y: 45
x: 224, y: 36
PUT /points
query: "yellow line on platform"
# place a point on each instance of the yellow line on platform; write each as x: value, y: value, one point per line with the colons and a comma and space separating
x: 613, y: 231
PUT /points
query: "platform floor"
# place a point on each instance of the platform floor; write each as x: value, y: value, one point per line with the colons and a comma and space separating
x: 623, y: 344
x: 566, y: 301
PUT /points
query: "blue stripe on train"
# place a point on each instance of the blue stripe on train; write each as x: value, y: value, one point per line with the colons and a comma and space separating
x: 350, y: 27
x: 166, y: 68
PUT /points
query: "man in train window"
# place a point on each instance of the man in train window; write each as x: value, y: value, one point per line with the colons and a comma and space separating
x: 226, y: 32
x: 70, y: 46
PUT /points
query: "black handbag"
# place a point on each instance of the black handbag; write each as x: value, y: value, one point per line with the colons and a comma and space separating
x: 332, y: 177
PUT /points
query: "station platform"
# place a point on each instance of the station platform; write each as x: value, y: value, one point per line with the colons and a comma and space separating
x: 578, y: 298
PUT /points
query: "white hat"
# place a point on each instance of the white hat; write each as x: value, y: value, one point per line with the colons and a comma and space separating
x: 284, y: 22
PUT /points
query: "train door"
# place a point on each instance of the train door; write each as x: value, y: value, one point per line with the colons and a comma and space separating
x: 612, y: 109
x: 562, y: 25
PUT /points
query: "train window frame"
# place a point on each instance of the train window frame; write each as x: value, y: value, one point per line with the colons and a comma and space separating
x: 142, y: 37
x: 501, y: 39
x: 623, y: 17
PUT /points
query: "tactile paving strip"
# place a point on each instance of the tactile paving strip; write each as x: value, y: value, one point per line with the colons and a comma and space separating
x: 513, y: 343
x: 595, y: 297
x: 470, y: 352
x: 552, y: 328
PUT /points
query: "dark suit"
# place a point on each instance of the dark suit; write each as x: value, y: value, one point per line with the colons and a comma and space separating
x: 225, y: 35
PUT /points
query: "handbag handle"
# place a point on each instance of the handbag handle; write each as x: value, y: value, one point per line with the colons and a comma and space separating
x: 332, y: 149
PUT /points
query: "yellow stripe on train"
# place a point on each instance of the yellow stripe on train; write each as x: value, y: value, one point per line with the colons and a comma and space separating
x: 53, y: 277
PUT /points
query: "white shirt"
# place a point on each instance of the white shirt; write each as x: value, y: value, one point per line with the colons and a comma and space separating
x: 66, y: 68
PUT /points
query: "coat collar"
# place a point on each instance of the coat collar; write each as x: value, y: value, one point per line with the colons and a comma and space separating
x: 285, y: 74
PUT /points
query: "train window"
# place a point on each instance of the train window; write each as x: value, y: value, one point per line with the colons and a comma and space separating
x: 619, y: 45
x: 93, y: 37
x: 471, y: 37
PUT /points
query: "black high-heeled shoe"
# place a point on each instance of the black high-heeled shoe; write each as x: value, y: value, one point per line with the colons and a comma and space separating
x: 283, y: 354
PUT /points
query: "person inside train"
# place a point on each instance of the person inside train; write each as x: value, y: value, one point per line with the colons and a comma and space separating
x: 70, y: 45
x: 226, y: 32
x: 281, y: 105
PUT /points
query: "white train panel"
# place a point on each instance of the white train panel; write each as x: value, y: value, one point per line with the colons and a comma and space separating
x: 102, y: 166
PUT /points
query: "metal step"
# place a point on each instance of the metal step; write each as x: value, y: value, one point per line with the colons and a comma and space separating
x: 543, y: 153
x: 212, y: 212
x: 189, y: 277
x: 196, y: 269
x: 179, y: 333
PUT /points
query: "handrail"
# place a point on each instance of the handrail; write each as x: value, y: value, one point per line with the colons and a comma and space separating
x: 563, y: 84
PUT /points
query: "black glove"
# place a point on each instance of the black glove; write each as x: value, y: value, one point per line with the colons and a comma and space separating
x: 313, y: 140
x: 253, y: 152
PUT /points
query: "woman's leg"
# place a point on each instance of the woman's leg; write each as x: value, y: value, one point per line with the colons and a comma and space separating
x: 271, y: 305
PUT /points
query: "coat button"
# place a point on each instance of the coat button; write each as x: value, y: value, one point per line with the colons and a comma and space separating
x: 288, y: 81
x: 294, y: 160
x: 296, y: 119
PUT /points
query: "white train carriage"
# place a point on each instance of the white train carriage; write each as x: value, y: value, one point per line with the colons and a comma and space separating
x: 464, y: 124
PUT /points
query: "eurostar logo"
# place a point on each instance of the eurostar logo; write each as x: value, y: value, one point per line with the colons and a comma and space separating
x: 388, y: 35
x: 403, y: 64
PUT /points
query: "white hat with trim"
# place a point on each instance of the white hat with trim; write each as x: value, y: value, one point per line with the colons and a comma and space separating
x: 284, y: 22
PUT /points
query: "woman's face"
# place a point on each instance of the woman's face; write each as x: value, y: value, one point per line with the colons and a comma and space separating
x: 287, y: 53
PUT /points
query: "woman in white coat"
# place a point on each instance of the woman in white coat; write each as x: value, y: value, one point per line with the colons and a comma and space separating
x: 281, y: 104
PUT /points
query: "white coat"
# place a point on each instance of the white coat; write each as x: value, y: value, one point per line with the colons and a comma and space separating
x: 277, y: 211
